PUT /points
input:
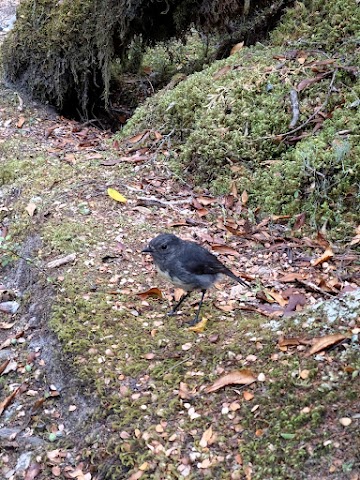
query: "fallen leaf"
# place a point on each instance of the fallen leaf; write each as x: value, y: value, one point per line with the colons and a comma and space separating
x: 293, y: 302
x: 136, y: 475
x: 310, y: 81
x: 225, y: 250
x: 293, y: 342
x: 200, y: 326
x: 244, y: 197
x: 56, y: 471
x: 321, y: 343
x: 236, y: 48
x: 356, y: 239
x: 206, y: 200
x: 202, y: 212
x: 222, y: 72
x: 242, y: 377
x: 291, y: 277
x: 20, y: 122
x: 304, y: 374
x: 324, y: 257
x: 6, y: 402
x: 114, y: 194
x: 184, y: 391
x: 33, y: 471
x: 248, y: 395
x: 152, y: 292
x: 3, y: 366
x: 206, y: 437
x: 31, y: 208
x: 299, y: 221
x: 276, y: 296
x: 138, y: 137
x: 6, y: 326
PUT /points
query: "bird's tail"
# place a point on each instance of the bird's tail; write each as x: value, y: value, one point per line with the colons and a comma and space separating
x: 230, y: 274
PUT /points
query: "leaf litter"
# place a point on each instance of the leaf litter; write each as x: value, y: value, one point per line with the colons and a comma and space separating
x: 291, y: 270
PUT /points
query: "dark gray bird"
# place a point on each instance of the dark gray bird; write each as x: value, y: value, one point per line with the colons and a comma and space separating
x: 187, y: 265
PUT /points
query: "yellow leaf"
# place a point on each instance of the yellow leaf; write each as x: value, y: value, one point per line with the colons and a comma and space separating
x: 116, y: 195
x: 199, y: 327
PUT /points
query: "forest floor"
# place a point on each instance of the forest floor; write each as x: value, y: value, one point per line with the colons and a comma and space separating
x: 96, y: 382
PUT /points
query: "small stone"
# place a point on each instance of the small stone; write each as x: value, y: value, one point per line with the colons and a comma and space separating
x: 345, y: 421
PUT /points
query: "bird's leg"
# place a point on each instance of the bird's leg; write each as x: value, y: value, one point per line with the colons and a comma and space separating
x: 196, y: 319
x: 175, y: 307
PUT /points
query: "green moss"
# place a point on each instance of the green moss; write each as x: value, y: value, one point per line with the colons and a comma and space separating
x: 225, y: 124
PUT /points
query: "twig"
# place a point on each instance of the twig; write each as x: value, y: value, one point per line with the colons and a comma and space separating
x: 295, y: 108
x: 315, y: 288
x: 300, y: 127
x: 155, y: 202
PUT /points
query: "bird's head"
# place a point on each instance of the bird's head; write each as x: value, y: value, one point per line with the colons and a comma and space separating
x: 162, y: 246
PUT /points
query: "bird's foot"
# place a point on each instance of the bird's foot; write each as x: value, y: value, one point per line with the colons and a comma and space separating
x: 193, y: 322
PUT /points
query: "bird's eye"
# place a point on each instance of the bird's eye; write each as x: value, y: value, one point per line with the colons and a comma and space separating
x: 164, y: 247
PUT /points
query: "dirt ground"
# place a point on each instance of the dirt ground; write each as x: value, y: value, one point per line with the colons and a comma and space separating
x: 96, y: 382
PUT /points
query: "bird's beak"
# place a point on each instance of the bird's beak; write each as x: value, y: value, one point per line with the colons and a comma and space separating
x: 147, y: 249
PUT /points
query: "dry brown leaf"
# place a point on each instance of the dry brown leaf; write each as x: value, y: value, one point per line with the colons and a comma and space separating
x: 4, y: 365
x: 6, y: 326
x: 310, y: 81
x: 236, y: 48
x: 321, y: 343
x: 276, y: 296
x: 248, y: 395
x: 304, y: 374
x: 31, y: 208
x: 152, y: 292
x: 356, y: 239
x: 222, y: 72
x: 295, y: 300
x: 248, y: 471
x: 184, y: 391
x: 202, y: 212
x: 288, y: 342
x: 136, y: 475
x: 206, y: 437
x: 291, y: 277
x: 20, y: 122
x: 241, y: 377
x: 56, y: 471
x: 6, y: 402
x: 293, y: 342
x: 244, y: 197
x: 324, y: 257
x: 206, y: 200
x: 138, y: 137
x: 33, y: 471
x: 225, y: 250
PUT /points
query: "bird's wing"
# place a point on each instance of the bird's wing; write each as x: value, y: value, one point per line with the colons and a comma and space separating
x: 200, y: 261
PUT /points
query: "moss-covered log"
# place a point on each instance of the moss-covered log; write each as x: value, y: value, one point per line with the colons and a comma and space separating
x: 61, y: 52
